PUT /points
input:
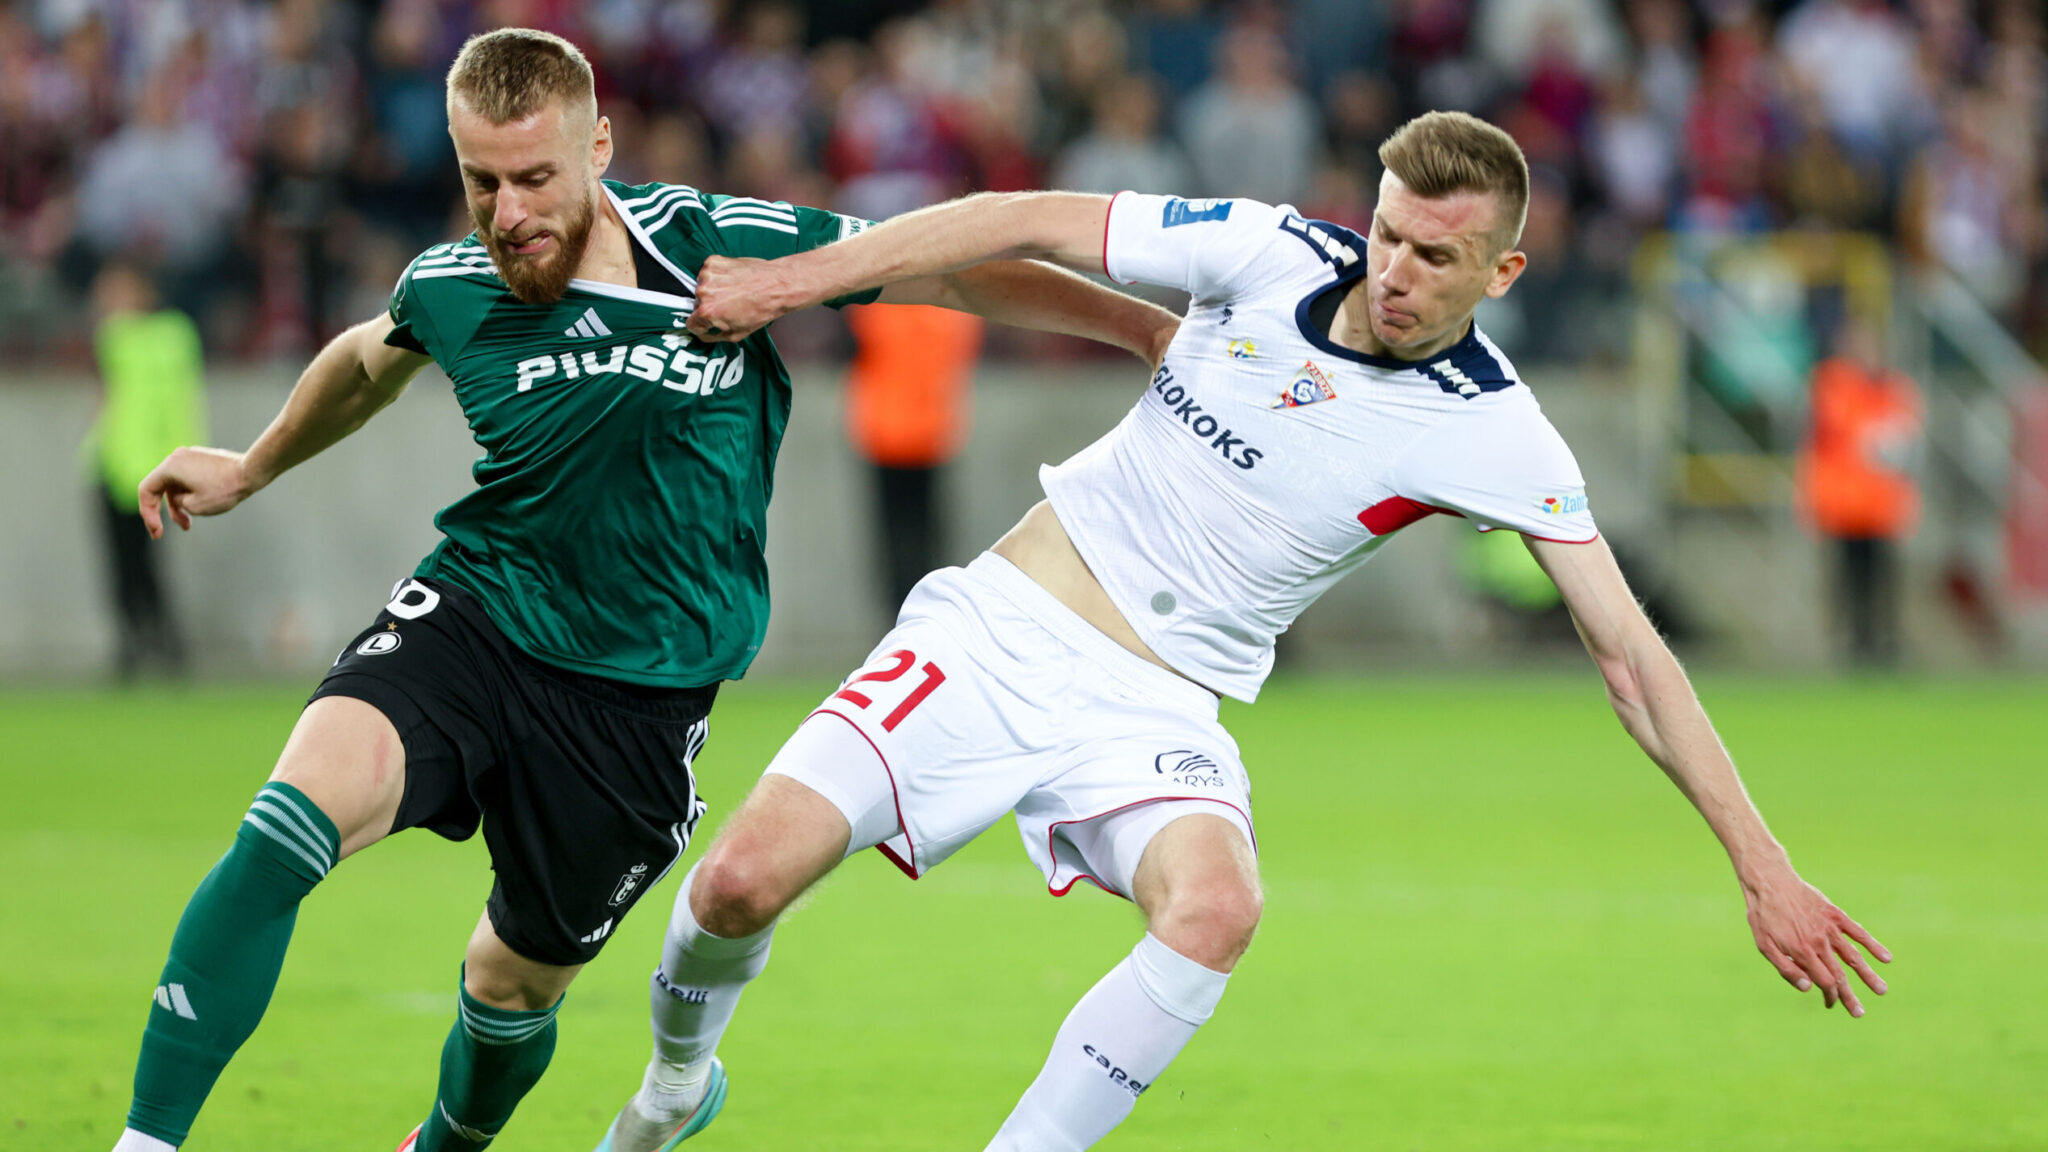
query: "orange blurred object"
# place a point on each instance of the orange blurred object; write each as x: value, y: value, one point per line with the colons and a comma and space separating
x: 2026, y: 510
x: 1854, y: 477
x: 907, y: 403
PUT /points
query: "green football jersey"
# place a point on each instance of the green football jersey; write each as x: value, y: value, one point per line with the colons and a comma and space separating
x: 620, y: 514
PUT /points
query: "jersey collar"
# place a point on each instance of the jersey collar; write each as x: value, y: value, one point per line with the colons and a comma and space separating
x: 1466, y: 349
x: 641, y: 237
x: 637, y: 235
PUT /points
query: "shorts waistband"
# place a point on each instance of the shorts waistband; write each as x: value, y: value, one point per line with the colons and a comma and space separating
x: 691, y: 704
x: 1045, y: 608
x: 680, y: 704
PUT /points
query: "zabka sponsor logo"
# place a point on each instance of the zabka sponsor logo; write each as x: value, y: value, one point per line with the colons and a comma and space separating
x: 1181, y: 403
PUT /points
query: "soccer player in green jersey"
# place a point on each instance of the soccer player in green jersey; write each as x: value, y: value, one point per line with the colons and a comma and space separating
x: 547, y: 671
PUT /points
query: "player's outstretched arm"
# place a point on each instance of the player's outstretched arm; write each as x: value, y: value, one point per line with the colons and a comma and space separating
x: 354, y: 376
x: 1804, y: 936
x: 737, y: 297
x: 1033, y: 294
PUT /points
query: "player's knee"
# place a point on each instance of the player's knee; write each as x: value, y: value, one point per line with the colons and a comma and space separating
x: 1211, y: 924
x: 346, y: 758
x: 510, y: 990
x: 738, y: 891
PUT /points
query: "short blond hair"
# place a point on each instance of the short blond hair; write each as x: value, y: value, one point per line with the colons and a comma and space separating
x: 512, y: 73
x: 1439, y: 153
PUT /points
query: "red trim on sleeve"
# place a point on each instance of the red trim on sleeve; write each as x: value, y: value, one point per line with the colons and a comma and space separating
x: 1397, y: 512
x: 1105, y: 235
x: 1555, y: 540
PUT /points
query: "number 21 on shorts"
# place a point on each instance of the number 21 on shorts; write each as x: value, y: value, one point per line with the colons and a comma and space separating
x: 887, y: 670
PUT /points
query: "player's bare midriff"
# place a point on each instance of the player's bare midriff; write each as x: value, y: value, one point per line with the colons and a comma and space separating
x: 1040, y: 548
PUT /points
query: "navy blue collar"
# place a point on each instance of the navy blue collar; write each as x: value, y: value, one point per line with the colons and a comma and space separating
x: 1467, y: 368
x: 1467, y: 348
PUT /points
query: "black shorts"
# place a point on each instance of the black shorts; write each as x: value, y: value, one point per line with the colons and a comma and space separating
x: 582, y: 785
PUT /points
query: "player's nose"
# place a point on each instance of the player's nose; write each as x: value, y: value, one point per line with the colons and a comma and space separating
x: 508, y: 213
x: 1395, y: 276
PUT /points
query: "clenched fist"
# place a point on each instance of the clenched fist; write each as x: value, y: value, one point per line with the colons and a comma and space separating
x: 737, y: 298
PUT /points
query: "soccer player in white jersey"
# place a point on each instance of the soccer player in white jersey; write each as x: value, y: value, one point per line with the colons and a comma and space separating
x: 1324, y: 390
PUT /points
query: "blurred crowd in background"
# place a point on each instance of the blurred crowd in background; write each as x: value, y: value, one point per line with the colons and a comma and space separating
x: 276, y: 164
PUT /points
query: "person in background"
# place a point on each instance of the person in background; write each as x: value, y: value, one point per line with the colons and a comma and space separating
x: 1123, y: 148
x: 163, y: 186
x: 907, y: 413
x: 1251, y: 129
x: 151, y: 368
x: 1521, y: 607
x: 1856, y: 485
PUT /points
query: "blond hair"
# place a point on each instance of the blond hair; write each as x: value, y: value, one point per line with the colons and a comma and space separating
x: 512, y: 73
x: 1439, y: 153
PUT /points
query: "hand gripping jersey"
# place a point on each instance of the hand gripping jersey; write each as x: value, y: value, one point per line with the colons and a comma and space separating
x: 1265, y: 461
x: 620, y: 511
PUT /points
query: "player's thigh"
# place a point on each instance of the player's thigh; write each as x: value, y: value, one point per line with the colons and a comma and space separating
x: 590, y: 802
x: 1139, y: 760
x: 346, y: 757
x: 384, y: 741
x: 784, y: 837
x: 828, y: 786
x: 950, y: 722
x: 493, y: 972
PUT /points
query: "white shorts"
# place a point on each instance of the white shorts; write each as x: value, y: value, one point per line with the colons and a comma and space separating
x: 990, y: 696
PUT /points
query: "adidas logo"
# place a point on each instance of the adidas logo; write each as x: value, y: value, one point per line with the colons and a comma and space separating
x: 603, y: 930
x: 171, y: 998
x: 587, y: 328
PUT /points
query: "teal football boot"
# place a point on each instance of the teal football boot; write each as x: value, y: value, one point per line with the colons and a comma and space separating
x: 628, y: 1130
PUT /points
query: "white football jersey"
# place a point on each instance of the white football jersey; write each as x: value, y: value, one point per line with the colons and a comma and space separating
x: 1265, y: 460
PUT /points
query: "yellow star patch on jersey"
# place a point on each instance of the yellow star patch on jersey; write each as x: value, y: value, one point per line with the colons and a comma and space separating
x: 1242, y: 349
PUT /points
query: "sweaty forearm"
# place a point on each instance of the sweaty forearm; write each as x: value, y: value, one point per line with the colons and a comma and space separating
x: 1032, y: 294
x: 335, y: 396
x: 1663, y: 713
x: 951, y: 236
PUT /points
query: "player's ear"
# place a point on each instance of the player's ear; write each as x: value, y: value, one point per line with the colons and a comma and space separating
x: 1507, y: 268
x: 601, y: 146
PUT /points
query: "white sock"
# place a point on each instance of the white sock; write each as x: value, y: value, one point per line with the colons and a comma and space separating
x: 1121, y: 1035
x: 133, y: 1141
x: 670, y: 1092
x: 698, y: 985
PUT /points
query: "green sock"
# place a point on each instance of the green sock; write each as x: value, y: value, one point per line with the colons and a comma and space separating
x: 493, y: 1057
x: 225, y: 957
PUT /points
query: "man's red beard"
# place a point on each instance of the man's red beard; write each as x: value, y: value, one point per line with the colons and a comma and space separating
x: 539, y: 279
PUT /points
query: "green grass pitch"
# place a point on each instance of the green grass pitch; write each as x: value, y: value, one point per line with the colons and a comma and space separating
x: 1491, y: 924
